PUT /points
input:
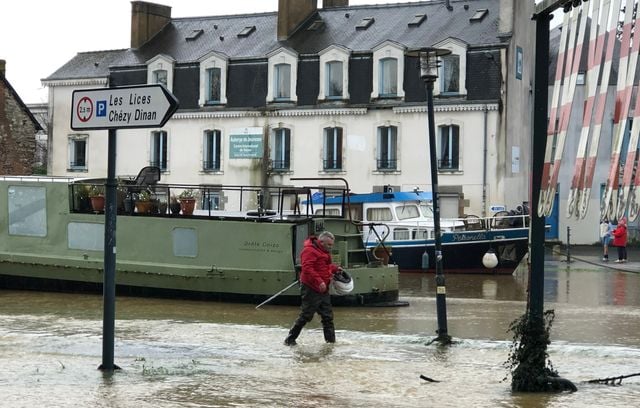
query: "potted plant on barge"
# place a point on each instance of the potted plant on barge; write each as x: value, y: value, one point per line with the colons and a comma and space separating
x: 143, y: 202
x: 174, y: 205
x: 187, y: 200
x: 96, y: 195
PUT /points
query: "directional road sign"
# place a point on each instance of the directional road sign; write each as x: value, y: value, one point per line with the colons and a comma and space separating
x: 142, y: 106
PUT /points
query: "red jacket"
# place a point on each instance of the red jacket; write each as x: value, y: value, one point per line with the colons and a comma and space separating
x: 620, y: 236
x: 317, y: 266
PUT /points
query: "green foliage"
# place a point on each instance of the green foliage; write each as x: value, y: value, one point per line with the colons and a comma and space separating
x: 144, y: 195
x: 188, y: 193
x: 96, y: 190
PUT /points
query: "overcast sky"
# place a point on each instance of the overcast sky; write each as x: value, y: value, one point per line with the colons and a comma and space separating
x: 39, y: 36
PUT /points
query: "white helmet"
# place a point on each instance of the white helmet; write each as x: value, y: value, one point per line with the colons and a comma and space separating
x: 342, y: 283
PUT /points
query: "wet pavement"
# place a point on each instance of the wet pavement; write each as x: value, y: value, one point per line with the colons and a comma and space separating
x: 176, y: 353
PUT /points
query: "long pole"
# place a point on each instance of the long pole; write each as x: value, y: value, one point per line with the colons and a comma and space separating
x: 109, y: 285
x: 441, y: 291
x: 278, y: 294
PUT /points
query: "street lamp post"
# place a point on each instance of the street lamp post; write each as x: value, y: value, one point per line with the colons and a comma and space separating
x: 429, y: 64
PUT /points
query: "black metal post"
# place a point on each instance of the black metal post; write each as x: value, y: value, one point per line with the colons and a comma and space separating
x: 538, y: 142
x: 441, y: 291
x: 568, y: 244
x: 109, y: 285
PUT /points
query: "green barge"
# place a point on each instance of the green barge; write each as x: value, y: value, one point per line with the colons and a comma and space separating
x: 241, y: 244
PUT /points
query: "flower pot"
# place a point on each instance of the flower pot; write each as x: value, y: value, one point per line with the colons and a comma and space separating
x: 143, y: 207
x: 187, y: 205
x: 128, y: 205
x: 97, y: 203
x: 175, y: 208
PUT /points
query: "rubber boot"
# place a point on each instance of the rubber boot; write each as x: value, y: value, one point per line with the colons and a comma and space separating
x: 293, y: 335
x: 329, y: 333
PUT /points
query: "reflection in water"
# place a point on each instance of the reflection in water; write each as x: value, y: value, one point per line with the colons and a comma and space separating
x: 204, y: 354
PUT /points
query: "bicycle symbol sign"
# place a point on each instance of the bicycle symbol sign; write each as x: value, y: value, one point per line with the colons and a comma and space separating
x: 84, y: 109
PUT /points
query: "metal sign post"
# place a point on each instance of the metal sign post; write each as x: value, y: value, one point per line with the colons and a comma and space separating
x: 115, y: 108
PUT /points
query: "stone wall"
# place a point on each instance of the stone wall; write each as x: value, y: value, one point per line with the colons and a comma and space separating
x: 17, y: 134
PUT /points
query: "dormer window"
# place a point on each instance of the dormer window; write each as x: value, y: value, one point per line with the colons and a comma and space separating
x: 160, y: 76
x: 451, y: 74
x: 334, y: 73
x: 388, y: 76
x: 213, y: 79
x: 282, y: 81
x: 283, y: 67
x: 160, y: 71
x: 388, y: 66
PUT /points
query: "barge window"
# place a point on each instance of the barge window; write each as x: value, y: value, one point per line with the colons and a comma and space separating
x: 27, y: 211
x: 427, y: 211
x: 420, y: 233
x: 86, y: 236
x: 401, y: 234
x: 407, y: 211
x: 185, y: 242
x: 379, y: 214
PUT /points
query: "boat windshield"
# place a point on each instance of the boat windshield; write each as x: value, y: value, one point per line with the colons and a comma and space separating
x: 407, y: 211
x: 426, y: 210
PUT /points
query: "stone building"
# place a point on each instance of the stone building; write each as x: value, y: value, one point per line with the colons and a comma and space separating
x: 320, y: 92
x: 18, y: 129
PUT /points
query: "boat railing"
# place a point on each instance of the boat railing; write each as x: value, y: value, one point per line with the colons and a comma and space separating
x: 38, y: 179
x: 423, y: 228
x: 213, y: 201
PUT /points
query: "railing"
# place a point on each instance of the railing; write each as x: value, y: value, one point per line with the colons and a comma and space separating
x: 280, y: 165
x: 448, y: 164
x: 385, y: 164
x: 211, y: 200
x: 211, y: 165
x: 332, y: 164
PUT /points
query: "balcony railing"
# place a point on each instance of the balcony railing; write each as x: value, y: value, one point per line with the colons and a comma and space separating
x: 386, y: 164
x: 211, y: 165
x: 332, y: 164
x: 448, y: 164
x: 280, y: 165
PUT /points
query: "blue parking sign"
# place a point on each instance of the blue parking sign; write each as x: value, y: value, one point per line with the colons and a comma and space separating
x: 101, y: 108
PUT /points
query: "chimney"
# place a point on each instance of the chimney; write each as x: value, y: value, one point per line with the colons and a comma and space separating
x: 3, y: 65
x: 292, y: 13
x: 147, y: 19
x: 334, y: 3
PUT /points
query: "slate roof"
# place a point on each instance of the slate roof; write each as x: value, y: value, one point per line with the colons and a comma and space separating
x: 220, y: 34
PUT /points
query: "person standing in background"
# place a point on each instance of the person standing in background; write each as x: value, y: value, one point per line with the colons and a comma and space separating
x: 606, y: 228
x: 620, y: 240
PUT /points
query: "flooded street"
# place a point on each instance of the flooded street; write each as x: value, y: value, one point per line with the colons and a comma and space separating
x: 201, y: 354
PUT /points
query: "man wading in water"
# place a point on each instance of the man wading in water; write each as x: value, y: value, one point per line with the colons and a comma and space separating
x: 317, y: 271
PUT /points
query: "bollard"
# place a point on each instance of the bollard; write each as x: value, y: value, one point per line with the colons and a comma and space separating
x: 568, y: 244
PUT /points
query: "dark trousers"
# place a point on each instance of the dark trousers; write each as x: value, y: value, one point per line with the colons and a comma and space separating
x: 314, y: 302
x: 622, y: 252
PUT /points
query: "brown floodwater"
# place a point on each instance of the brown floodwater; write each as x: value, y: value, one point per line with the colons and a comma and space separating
x: 175, y: 353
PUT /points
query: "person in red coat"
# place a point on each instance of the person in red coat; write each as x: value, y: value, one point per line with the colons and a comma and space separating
x: 620, y: 240
x: 317, y: 272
